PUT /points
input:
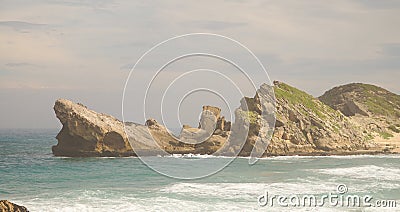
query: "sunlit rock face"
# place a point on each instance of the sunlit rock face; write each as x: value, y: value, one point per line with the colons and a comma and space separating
x: 278, y: 120
x: 88, y: 133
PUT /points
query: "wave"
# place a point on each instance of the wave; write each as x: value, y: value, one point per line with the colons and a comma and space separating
x: 130, y: 203
x: 190, y: 156
x: 365, y: 172
x: 293, y: 157
x: 174, y: 197
x: 249, y: 191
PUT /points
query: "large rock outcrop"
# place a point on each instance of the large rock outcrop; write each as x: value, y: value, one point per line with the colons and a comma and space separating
x: 7, y: 206
x: 88, y: 133
x: 254, y: 124
x: 304, y: 126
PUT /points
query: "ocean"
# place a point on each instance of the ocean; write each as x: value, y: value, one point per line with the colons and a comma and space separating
x: 31, y: 176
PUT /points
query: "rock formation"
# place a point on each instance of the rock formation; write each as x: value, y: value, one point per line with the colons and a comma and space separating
x: 7, y: 206
x: 374, y: 110
x: 373, y: 104
x: 208, y: 122
x: 211, y: 123
x: 304, y: 126
x: 88, y: 133
x: 253, y: 126
x: 363, y: 99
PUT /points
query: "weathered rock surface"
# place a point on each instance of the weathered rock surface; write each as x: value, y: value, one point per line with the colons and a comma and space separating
x: 208, y: 123
x: 374, y: 110
x: 253, y: 126
x: 88, y: 133
x: 7, y: 206
x: 304, y: 126
x: 363, y: 99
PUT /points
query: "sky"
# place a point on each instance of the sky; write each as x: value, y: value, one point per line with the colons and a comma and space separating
x: 84, y: 50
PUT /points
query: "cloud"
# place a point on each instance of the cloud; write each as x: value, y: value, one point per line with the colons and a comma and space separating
x: 22, y: 26
x: 21, y: 64
x: 391, y: 49
x: 213, y: 25
x: 82, y: 3
x: 84, y: 45
x: 382, y: 4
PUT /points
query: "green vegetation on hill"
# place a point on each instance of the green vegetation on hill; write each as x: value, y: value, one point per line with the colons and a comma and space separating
x: 394, y: 129
x: 250, y: 116
x: 380, y: 101
x: 378, y: 109
x: 297, y: 97
x: 376, y: 100
x: 385, y: 135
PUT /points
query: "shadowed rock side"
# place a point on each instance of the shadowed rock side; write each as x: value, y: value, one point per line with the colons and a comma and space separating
x: 253, y: 126
x: 304, y: 126
x: 7, y: 206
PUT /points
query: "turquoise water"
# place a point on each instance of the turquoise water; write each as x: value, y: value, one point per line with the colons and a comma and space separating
x: 31, y: 176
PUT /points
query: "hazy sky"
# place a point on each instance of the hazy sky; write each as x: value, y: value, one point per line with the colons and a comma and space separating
x: 83, y: 50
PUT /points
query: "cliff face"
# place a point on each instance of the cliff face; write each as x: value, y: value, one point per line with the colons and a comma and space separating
x: 374, y: 110
x: 304, y: 126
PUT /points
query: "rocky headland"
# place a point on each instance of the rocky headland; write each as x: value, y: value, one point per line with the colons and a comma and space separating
x: 350, y: 119
x: 373, y: 110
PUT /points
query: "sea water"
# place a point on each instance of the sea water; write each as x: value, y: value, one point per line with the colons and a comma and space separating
x: 31, y: 176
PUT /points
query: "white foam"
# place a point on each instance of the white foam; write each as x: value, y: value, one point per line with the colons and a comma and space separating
x: 295, y: 157
x: 133, y: 204
x: 190, y: 155
x: 183, y: 196
x: 249, y: 191
x: 364, y: 172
